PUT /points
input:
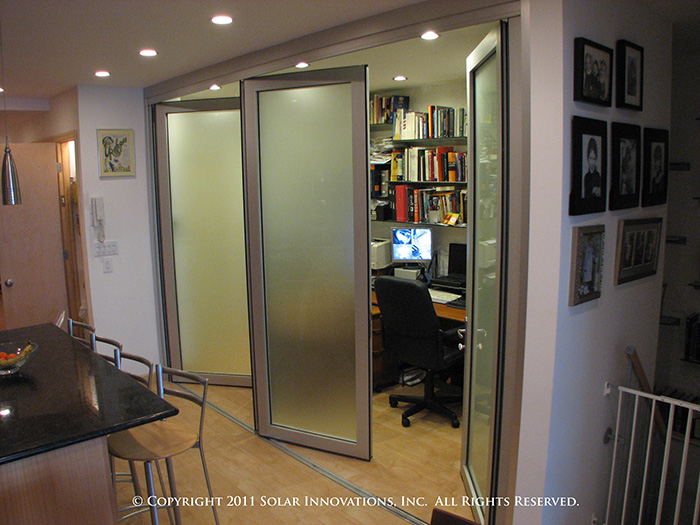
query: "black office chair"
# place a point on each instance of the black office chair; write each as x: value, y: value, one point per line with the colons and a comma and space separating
x: 411, y: 332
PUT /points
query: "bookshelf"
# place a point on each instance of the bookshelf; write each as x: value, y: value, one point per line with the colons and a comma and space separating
x: 419, y: 162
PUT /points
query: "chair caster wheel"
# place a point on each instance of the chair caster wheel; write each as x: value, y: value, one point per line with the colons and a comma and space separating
x: 393, y: 403
x: 405, y: 422
x: 455, y: 423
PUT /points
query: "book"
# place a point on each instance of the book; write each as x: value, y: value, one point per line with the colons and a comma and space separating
x: 397, y: 165
x: 441, y: 156
x: 401, y: 203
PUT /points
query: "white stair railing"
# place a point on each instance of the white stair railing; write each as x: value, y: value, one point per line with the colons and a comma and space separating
x: 652, y: 478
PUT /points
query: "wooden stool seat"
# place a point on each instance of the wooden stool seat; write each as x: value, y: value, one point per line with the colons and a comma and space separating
x: 157, y: 440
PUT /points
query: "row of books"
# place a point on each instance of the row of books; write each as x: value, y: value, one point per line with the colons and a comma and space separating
x: 438, y: 122
x: 441, y: 164
x: 428, y: 205
x: 383, y: 109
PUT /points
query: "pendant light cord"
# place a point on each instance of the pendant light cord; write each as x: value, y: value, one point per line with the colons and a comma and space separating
x: 2, y: 79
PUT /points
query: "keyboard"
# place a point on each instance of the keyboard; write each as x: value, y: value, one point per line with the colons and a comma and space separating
x: 460, y: 302
x: 441, y: 296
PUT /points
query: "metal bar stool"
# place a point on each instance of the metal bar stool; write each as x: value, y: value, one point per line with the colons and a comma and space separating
x: 165, y: 439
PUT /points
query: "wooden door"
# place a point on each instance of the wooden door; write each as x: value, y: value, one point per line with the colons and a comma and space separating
x: 31, y: 254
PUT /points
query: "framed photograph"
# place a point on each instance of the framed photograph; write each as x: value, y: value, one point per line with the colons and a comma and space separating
x: 625, y: 174
x: 589, y: 166
x: 655, y: 167
x: 116, y: 152
x: 592, y: 72
x: 630, y: 75
x: 638, y: 243
x: 586, y: 263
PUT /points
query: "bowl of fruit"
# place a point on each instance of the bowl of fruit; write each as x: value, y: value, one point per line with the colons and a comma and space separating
x: 14, y: 354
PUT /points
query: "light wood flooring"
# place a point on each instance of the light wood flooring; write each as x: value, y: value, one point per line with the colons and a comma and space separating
x: 412, y: 466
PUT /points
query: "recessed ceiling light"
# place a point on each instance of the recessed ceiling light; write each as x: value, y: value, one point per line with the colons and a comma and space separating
x: 302, y: 65
x: 215, y: 87
x: 148, y: 52
x: 430, y: 35
x: 101, y: 73
x: 222, y: 20
x: 400, y: 78
x: 1, y: 90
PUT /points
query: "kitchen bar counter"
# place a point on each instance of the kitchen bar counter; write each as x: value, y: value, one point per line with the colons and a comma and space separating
x: 55, y: 414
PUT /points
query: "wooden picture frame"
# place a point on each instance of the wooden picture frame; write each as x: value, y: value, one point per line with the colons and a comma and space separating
x: 629, y: 77
x: 589, y: 166
x: 116, y: 152
x: 593, y: 72
x: 638, y: 244
x: 625, y: 174
x: 587, y: 250
x: 655, y: 186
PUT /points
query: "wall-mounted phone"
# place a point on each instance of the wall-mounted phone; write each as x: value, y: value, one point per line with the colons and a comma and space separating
x: 97, y: 208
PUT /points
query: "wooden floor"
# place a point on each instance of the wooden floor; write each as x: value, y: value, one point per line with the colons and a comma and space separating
x: 415, y: 467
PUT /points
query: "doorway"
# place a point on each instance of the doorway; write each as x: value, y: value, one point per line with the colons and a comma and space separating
x: 421, y: 95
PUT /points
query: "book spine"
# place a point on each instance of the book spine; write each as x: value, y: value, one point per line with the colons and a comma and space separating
x: 401, y: 203
x: 451, y: 166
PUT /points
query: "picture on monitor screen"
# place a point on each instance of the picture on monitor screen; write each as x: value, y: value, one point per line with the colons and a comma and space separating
x: 411, y: 244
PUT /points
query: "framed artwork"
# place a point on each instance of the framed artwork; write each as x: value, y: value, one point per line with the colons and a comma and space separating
x: 586, y: 263
x: 116, y: 152
x: 630, y: 75
x: 638, y: 243
x: 625, y: 174
x: 592, y: 72
x: 655, y: 167
x: 588, y: 166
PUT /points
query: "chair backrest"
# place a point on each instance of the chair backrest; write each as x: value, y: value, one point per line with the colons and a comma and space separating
x: 82, y: 332
x: 182, y: 393
x: 410, y: 326
x: 119, y: 356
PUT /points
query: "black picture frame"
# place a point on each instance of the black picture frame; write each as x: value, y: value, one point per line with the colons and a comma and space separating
x: 593, y: 72
x: 655, y: 183
x: 629, y: 78
x: 638, y: 244
x: 589, y: 166
x: 626, y: 169
x: 587, y: 250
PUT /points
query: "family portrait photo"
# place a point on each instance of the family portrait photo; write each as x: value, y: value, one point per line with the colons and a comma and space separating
x: 592, y: 72
x: 625, y: 177
x: 587, y: 263
x: 630, y: 75
x: 638, y: 249
x: 589, y: 177
x: 655, y: 167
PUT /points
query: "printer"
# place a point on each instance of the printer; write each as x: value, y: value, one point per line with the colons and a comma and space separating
x: 380, y: 253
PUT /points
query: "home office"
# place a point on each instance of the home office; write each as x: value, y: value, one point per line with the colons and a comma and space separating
x: 436, y: 76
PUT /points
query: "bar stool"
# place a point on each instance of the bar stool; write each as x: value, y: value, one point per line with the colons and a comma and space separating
x: 88, y: 340
x: 165, y: 439
x: 117, y: 358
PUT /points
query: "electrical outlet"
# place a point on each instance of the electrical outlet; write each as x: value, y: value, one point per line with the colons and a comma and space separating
x: 107, y: 265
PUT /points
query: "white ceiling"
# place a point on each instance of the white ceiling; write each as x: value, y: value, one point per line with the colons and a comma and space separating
x: 51, y: 46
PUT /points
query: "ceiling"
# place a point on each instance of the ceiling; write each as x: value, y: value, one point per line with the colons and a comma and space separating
x: 51, y: 46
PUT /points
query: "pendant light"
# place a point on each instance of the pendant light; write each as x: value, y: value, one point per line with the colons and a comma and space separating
x: 10, y: 181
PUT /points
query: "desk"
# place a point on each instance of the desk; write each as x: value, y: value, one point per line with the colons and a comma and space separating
x: 442, y: 310
x: 55, y: 415
x: 383, y: 367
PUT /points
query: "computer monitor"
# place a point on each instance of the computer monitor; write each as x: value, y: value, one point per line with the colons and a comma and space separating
x: 411, y: 245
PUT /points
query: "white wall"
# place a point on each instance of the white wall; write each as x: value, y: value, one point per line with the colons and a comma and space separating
x: 122, y: 302
x: 586, y: 342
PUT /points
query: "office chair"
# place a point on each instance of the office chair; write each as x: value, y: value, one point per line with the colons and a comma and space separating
x: 411, y: 332
x: 166, y: 438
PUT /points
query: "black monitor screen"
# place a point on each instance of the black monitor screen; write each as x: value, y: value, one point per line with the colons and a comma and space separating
x: 411, y: 244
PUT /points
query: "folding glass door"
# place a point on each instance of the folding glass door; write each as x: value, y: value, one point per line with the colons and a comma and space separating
x: 200, y: 194
x: 484, y: 383
x: 306, y: 163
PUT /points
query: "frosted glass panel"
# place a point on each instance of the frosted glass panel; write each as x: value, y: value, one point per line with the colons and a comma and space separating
x: 204, y: 150
x: 306, y: 173
x: 487, y: 190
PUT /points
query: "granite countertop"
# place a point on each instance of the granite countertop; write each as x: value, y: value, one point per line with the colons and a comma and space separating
x: 66, y: 394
